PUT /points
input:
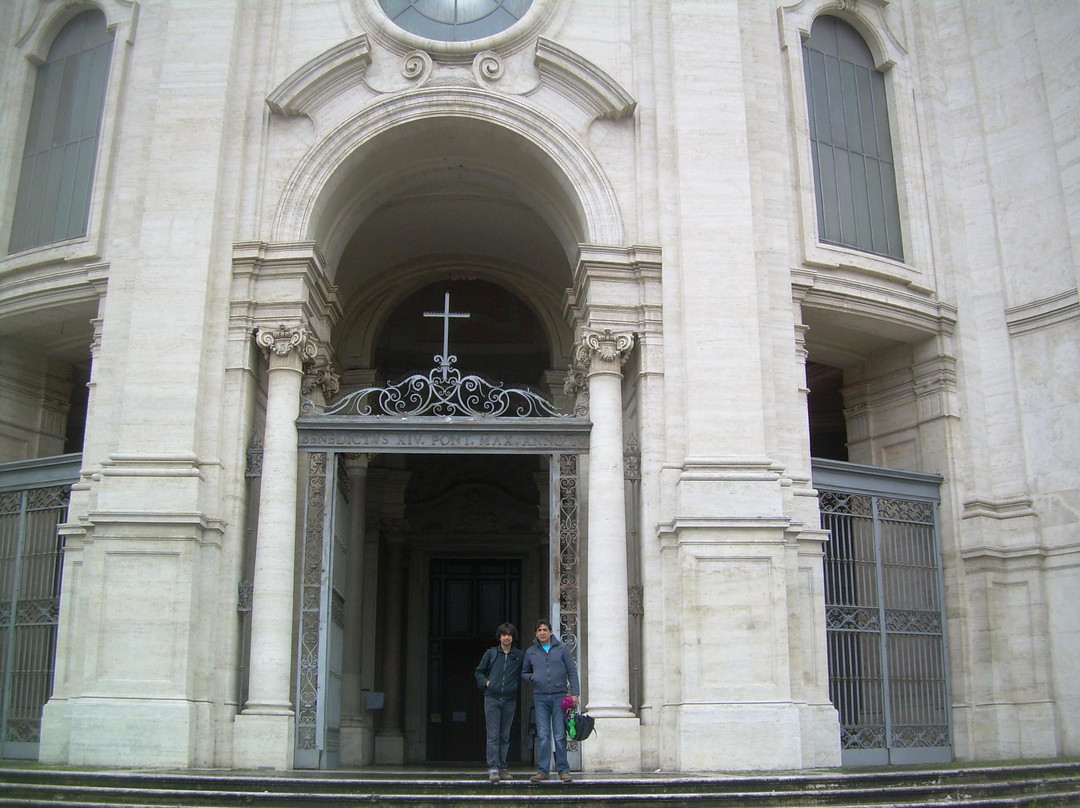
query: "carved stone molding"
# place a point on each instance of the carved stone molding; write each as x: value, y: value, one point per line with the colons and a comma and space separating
x: 319, y: 374
x: 327, y: 75
x: 631, y: 460
x: 579, y: 80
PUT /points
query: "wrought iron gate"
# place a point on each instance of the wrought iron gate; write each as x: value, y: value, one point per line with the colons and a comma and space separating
x: 885, y: 623
x: 33, y: 501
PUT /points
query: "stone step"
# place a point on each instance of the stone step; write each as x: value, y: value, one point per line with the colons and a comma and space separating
x: 1044, y: 784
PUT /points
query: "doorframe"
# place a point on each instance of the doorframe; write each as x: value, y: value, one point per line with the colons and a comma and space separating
x: 562, y: 439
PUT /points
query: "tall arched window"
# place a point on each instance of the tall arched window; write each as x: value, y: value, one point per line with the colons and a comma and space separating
x: 53, y: 199
x: 854, y: 176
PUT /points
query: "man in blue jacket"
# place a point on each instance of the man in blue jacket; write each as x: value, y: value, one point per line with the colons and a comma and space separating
x: 499, y: 676
x: 550, y: 666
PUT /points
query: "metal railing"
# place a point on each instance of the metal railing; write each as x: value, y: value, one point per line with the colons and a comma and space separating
x: 34, y: 499
x: 885, y: 623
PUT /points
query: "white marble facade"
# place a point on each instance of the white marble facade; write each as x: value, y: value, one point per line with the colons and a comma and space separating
x: 639, y: 173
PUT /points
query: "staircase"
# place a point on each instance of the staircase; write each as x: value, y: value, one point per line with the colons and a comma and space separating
x: 1025, y: 785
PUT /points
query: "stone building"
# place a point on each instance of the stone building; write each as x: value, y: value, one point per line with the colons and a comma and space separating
x: 737, y: 338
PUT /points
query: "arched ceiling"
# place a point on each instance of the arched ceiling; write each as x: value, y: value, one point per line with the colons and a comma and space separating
x: 446, y: 198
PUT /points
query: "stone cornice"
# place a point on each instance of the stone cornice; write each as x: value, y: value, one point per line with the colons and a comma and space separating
x: 883, y: 300
x: 1011, y: 508
x: 1043, y: 314
x: 282, y: 282
x: 582, y: 82
x: 329, y: 74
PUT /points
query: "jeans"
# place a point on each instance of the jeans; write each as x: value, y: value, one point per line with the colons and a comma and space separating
x: 549, y: 717
x: 499, y: 717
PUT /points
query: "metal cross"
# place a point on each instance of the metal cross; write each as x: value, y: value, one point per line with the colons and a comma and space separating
x: 445, y: 315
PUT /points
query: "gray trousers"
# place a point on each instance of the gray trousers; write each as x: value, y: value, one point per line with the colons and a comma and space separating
x: 499, y: 717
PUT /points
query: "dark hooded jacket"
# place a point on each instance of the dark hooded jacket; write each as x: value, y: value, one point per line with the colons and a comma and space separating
x: 502, y: 670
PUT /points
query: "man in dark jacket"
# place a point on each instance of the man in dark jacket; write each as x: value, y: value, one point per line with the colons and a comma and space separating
x: 499, y: 676
x: 550, y: 666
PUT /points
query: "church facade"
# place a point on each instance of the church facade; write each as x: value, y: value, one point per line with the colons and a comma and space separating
x: 737, y: 339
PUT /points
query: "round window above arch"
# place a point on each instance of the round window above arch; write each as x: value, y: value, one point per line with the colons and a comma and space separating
x: 455, y: 20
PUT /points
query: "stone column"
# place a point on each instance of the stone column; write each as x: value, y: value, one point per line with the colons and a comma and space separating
x: 264, y: 730
x: 608, y: 624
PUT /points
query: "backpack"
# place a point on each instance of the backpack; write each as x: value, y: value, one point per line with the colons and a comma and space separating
x: 579, y: 726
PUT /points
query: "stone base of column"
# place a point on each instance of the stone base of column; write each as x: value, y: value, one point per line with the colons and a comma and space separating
x: 390, y: 749
x: 614, y: 746
x: 264, y: 741
x: 357, y: 744
x: 738, y: 737
x: 99, y: 731
x: 820, y: 736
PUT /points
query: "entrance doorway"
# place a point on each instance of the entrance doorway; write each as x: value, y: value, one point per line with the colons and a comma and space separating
x: 469, y: 598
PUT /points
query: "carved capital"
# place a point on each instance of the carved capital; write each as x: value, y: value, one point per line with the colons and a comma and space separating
x: 283, y: 340
x: 609, y: 347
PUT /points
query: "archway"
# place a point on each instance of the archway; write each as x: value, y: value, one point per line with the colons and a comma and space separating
x: 456, y: 210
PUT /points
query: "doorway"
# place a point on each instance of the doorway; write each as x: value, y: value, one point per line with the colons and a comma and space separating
x: 468, y: 599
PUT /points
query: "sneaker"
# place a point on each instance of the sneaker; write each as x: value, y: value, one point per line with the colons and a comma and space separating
x: 493, y: 777
x: 539, y: 777
x: 565, y: 777
x: 505, y: 775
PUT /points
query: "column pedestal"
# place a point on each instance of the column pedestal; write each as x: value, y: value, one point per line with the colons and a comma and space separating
x: 390, y: 749
x: 264, y: 741
x: 615, y: 745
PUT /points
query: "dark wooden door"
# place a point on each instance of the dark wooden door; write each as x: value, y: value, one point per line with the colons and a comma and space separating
x: 469, y: 598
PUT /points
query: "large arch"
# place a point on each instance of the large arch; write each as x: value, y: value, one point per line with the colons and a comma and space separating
x: 329, y: 193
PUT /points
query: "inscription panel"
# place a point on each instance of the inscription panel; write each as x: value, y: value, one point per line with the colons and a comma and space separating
x: 454, y: 437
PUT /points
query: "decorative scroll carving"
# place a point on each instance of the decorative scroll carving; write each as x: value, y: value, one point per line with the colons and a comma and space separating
x: 416, y: 66
x: 319, y: 374
x: 443, y: 391
x: 606, y: 345
x: 487, y: 67
x: 576, y: 387
x: 285, y: 339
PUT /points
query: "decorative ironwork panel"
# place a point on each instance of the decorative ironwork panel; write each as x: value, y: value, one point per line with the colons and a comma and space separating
x: 307, y: 675
x: 569, y: 552
x: 884, y: 622
x: 31, y: 560
x: 442, y: 391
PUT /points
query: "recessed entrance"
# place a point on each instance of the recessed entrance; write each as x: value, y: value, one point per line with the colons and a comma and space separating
x: 468, y: 598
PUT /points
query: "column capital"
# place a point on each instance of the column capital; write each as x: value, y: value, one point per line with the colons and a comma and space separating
x: 609, y: 347
x: 282, y: 341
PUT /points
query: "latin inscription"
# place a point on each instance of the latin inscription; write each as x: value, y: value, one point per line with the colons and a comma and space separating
x: 391, y: 441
